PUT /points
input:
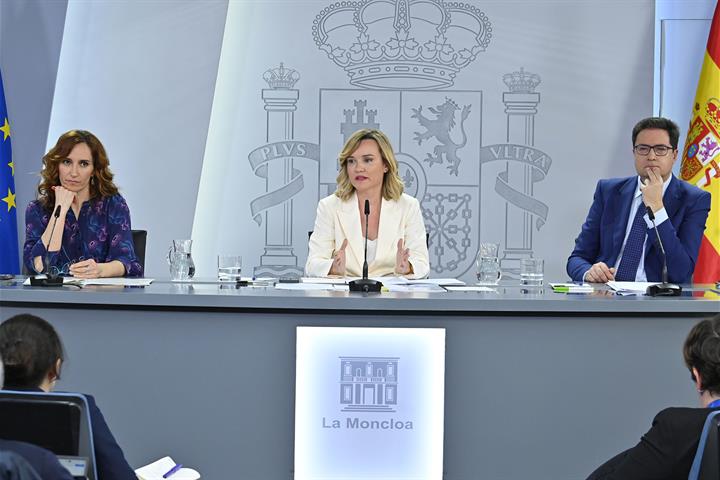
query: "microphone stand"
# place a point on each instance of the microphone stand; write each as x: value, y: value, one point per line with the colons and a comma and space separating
x: 48, y: 280
x: 663, y: 289
x: 365, y: 284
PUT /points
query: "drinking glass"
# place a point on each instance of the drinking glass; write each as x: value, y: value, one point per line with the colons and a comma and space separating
x: 532, y: 271
x: 229, y: 267
x: 488, y: 264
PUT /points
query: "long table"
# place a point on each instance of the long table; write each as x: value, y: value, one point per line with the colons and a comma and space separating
x: 538, y: 385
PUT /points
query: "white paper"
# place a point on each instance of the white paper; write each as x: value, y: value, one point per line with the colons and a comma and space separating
x: 119, y: 281
x: 304, y: 286
x: 437, y: 281
x: 414, y: 287
x: 156, y: 470
x: 324, y: 280
x: 469, y: 288
x: 630, y: 287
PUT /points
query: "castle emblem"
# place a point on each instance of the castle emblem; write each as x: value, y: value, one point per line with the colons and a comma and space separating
x: 368, y: 384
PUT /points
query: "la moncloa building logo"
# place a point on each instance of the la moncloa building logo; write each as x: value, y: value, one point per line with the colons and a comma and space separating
x: 369, y: 384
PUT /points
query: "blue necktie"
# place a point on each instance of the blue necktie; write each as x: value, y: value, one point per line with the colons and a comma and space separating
x: 633, y: 248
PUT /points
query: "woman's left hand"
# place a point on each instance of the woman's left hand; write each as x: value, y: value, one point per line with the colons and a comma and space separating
x: 402, y: 259
x: 86, y: 269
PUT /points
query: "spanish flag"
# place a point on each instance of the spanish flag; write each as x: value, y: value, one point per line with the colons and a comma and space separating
x: 701, y: 158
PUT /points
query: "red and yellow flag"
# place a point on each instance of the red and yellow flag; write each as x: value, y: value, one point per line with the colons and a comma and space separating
x: 701, y: 158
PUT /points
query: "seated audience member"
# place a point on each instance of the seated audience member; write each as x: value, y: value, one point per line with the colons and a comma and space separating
x: 92, y: 236
x: 667, y: 450
x: 15, y: 467
x: 618, y: 241
x: 33, y: 355
x: 23, y: 461
x: 397, y: 242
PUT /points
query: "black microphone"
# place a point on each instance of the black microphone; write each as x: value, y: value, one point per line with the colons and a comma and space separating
x: 48, y: 280
x: 663, y: 289
x: 367, y: 219
x: 365, y: 284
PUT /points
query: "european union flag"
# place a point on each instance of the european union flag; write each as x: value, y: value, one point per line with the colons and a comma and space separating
x: 8, y: 209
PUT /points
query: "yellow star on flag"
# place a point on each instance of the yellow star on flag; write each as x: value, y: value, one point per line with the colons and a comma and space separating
x: 12, y: 167
x: 5, y: 129
x: 10, y: 199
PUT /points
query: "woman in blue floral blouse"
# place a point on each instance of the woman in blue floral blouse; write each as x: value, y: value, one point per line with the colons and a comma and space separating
x: 92, y: 237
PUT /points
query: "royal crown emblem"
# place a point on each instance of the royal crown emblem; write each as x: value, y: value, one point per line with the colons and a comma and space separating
x: 522, y: 81
x: 281, y: 78
x: 409, y: 44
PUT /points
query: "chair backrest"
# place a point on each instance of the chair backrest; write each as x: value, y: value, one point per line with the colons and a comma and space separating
x: 59, y: 422
x: 139, y: 240
x: 707, y: 458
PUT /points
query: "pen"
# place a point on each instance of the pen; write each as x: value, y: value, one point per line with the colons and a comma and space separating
x: 173, y: 470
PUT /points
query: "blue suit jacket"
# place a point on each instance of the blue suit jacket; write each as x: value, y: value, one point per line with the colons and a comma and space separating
x: 109, y: 458
x: 42, y: 461
x: 603, y: 232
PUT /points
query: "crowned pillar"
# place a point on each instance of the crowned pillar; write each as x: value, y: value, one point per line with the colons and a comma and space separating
x: 280, y: 104
x: 521, y: 107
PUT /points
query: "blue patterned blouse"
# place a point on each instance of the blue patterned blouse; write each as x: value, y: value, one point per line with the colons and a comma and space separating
x: 102, y: 232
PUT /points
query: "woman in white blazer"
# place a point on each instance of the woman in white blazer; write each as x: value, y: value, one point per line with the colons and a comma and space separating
x: 397, y: 242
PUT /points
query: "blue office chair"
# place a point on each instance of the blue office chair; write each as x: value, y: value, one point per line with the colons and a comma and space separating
x: 59, y: 422
x: 706, y: 465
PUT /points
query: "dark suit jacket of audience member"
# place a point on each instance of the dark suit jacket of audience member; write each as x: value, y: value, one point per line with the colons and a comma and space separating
x: 109, y: 458
x: 44, y: 463
x: 665, y: 452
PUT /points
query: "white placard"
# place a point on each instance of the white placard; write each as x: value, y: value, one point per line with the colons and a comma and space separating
x: 369, y: 403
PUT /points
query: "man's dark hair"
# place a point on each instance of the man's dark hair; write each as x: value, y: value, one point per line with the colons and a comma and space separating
x: 702, y: 351
x: 659, y: 123
x: 30, y: 348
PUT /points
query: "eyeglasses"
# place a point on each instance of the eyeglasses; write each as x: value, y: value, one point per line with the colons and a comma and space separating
x: 64, y: 270
x: 660, y: 150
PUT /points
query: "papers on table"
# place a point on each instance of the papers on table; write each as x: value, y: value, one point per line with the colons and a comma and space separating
x: 630, y: 288
x: 156, y: 470
x: 391, y: 284
x: 572, y: 288
x: 324, y: 280
x: 469, y: 288
x: 120, y: 281
x: 413, y: 287
x: 310, y: 286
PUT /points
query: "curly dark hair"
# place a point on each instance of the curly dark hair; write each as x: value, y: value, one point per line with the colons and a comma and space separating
x: 102, y: 184
x: 702, y: 351
x: 30, y: 348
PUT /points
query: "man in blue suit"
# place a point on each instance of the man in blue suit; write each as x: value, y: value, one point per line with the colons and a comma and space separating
x: 618, y: 241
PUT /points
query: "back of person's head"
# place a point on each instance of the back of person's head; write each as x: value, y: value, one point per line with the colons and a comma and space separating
x: 30, y: 349
x: 658, y: 123
x: 702, y: 352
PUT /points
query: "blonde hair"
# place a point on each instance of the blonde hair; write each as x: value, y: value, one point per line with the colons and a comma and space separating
x: 392, y: 186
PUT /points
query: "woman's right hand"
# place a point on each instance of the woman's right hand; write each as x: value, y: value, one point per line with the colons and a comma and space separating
x: 338, y: 265
x: 63, y: 197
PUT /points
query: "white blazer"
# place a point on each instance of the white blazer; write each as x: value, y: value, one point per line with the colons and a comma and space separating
x: 337, y: 220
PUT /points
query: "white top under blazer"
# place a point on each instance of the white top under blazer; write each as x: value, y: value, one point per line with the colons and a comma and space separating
x: 337, y: 220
